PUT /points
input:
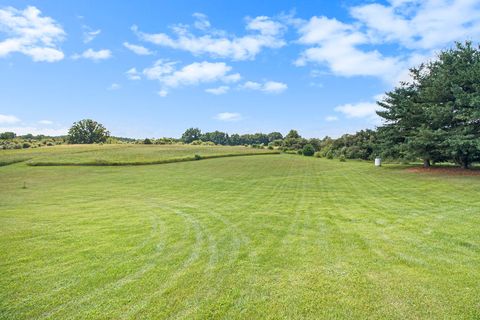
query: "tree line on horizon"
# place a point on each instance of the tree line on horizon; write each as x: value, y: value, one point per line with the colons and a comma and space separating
x: 434, y: 117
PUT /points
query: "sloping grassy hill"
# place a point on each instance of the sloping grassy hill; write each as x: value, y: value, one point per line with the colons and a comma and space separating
x: 128, y: 154
x: 264, y: 237
x: 13, y: 156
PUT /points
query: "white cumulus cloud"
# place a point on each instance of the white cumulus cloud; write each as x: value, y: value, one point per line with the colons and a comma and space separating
x: 28, y: 32
x: 428, y: 24
x: 201, y: 21
x: 8, y: 119
x: 358, y: 110
x: 163, y: 93
x: 133, y: 74
x: 96, y: 56
x: 336, y: 44
x: 218, y: 91
x: 263, y: 32
x: 169, y: 76
x: 229, y: 116
x: 331, y: 118
x: 363, y: 109
x: 417, y: 29
x: 140, y: 50
x: 89, y: 35
x: 267, y: 87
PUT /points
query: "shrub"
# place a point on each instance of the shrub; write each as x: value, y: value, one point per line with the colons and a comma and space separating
x: 342, y: 158
x: 270, y: 147
x: 26, y: 145
x: 317, y: 154
x: 198, y: 157
x: 308, y: 150
x: 147, y: 141
x: 329, y: 154
x: 299, y: 152
x: 196, y: 142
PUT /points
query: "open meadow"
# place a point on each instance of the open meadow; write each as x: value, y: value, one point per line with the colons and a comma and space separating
x: 265, y: 237
x: 127, y: 154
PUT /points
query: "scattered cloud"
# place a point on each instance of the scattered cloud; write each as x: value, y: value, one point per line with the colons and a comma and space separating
x: 201, y: 21
x: 89, y: 35
x: 417, y: 29
x: 46, y: 122
x: 140, y: 50
x: 228, y: 116
x: 331, y: 118
x: 159, y: 69
x: 163, y: 93
x: 30, y: 33
x: 364, y: 109
x: 336, y: 45
x: 266, y: 26
x: 133, y: 74
x: 218, y: 91
x: 8, y: 119
x: 114, y: 86
x: 263, y: 32
x: 169, y: 76
x: 96, y: 56
x: 274, y: 87
x: 358, y: 110
x: 251, y: 85
x: 425, y: 25
x: 267, y: 87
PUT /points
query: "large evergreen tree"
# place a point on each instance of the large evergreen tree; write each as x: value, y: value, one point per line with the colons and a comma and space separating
x: 437, y: 116
x: 451, y: 89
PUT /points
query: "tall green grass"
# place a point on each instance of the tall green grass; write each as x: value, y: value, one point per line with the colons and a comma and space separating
x: 118, y: 155
x: 20, y: 155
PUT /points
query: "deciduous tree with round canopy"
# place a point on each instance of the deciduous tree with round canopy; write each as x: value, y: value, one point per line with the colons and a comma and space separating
x: 87, y: 131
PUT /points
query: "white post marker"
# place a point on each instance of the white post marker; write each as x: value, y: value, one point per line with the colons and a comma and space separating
x: 378, y: 162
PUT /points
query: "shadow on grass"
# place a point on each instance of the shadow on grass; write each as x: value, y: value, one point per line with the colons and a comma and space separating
x: 438, y: 169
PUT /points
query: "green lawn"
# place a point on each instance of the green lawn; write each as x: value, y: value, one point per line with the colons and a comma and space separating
x: 258, y: 237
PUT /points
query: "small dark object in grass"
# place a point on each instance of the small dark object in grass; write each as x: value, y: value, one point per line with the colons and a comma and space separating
x: 24, y: 185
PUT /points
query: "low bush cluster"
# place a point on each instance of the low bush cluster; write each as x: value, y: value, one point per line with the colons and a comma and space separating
x: 9, y: 140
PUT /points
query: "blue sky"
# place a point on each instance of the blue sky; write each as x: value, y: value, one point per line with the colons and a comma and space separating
x: 155, y: 68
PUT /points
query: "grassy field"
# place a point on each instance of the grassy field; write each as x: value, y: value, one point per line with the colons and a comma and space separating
x: 259, y: 237
x: 13, y: 156
x: 120, y: 154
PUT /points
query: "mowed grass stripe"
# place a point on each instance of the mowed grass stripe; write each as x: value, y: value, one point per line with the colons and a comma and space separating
x: 246, y: 237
